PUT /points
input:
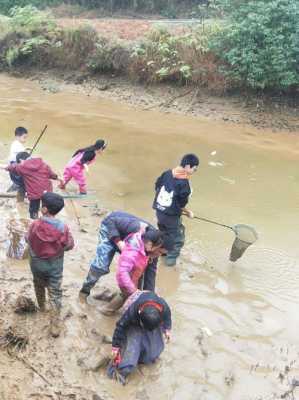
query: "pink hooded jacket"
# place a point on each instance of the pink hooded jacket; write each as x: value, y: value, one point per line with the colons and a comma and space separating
x: 132, y: 263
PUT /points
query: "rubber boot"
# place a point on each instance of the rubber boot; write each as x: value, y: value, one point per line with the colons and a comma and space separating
x: 83, y: 296
x: 115, y: 304
x: 170, y: 262
x: 55, y: 327
x: 40, y: 295
x: 20, y: 195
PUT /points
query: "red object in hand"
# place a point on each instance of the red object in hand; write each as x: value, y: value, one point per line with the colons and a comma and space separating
x: 117, y: 356
x: 117, y: 360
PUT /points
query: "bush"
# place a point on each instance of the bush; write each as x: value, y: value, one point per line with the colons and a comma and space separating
x: 109, y: 56
x: 183, y: 59
x: 28, y: 30
x: 261, y: 44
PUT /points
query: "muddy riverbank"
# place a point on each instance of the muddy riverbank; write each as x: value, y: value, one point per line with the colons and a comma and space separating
x: 276, y: 113
x: 235, y: 325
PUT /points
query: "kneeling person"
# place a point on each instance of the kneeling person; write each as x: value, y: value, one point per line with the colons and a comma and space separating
x: 138, y: 335
x: 48, y: 239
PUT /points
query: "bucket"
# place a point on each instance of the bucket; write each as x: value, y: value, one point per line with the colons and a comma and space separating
x: 17, y: 245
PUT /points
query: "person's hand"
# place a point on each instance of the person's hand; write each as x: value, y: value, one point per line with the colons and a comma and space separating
x: 115, y: 355
x: 188, y: 213
x: 121, y: 245
x: 167, y: 335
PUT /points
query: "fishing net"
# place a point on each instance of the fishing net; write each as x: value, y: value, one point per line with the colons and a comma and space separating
x: 17, y: 246
x: 245, y: 236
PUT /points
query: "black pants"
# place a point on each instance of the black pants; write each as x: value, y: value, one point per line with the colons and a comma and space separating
x: 34, y: 206
x: 174, y: 230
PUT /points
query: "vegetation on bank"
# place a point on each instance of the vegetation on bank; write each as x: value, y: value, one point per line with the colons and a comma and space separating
x: 255, y: 47
x: 169, y: 8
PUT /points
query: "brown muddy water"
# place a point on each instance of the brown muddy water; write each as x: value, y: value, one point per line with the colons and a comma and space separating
x: 235, y: 326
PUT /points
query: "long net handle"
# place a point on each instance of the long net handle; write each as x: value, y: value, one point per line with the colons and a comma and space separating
x: 214, y: 222
x: 38, y: 139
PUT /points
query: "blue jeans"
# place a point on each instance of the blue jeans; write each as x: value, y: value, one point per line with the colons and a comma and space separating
x: 100, y: 266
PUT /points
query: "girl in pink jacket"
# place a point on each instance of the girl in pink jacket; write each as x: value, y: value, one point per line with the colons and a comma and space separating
x: 134, y: 258
x: 132, y: 263
x: 75, y: 169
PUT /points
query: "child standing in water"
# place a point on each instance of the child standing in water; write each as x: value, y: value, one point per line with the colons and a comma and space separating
x: 48, y: 239
x: 79, y: 163
x: 17, y: 146
x: 172, y: 194
x: 37, y: 176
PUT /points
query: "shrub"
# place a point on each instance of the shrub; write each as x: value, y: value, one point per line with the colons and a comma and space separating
x: 32, y: 21
x: 261, y: 44
x: 109, y: 56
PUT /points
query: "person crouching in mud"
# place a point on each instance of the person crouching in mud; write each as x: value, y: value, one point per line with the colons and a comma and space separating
x: 114, y: 228
x: 133, y: 261
x: 138, y: 335
x: 79, y: 163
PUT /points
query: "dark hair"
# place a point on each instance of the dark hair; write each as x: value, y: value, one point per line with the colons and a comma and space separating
x: 190, y: 159
x: 53, y: 202
x: 20, y: 131
x: 99, y: 144
x: 153, y: 235
x: 23, y: 155
x: 150, y: 317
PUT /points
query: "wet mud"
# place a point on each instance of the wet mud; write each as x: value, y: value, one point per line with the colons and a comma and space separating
x: 235, y: 333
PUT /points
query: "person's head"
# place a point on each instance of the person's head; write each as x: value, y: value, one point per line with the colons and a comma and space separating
x: 22, y: 156
x: 153, y: 239
x: 52, y: 203
x: 190, y: 163
x: 100, y: 145
x: 21, y: 134
x: 150, y: 317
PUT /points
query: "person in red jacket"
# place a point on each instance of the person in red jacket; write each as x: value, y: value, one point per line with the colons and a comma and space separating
x: 37, y: 177
x: 48, y: 239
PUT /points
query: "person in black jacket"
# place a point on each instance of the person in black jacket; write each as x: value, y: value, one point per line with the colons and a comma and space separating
x: 113, y: 230
x: 172, y: 195
x: 138, y: 335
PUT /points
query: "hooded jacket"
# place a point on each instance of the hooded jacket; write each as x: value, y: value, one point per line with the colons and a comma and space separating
x: 132, y: 263
x: 131, y: 316
x: 36, y: 174
x: 172, y: 192
x: 49, y: 237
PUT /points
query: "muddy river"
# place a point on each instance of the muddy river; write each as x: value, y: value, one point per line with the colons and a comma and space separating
x: 235, y: 326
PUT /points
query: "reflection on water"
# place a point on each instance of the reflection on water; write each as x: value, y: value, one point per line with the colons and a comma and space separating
x: 230, y: 320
